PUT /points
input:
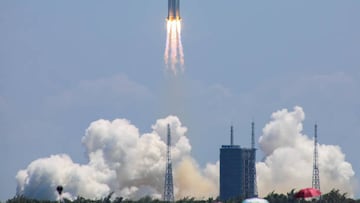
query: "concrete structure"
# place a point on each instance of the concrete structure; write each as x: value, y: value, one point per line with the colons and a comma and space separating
x: 237, y: 170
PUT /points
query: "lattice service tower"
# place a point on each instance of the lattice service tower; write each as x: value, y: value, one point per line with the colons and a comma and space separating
x: 315, y: 177
x: 168, y: 186
x: 253, y: 158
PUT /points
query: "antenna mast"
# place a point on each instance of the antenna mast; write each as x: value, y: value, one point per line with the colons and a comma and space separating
x: 231, y: 135
x: 315, y: 177
x: 253, y: 135
x: 168, y: 186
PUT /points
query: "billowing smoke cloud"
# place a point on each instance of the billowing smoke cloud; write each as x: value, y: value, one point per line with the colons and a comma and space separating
x: 192, y: 182
x: 123, y: 161
x: 289, y: 158
x: 132, y: 165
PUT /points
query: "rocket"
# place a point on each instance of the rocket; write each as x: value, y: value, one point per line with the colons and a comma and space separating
x: 173, y: 10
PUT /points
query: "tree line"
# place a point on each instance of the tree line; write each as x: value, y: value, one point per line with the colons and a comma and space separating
x: 334, y: 196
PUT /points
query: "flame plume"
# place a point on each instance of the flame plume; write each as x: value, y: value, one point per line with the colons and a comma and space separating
x: 174, y: 54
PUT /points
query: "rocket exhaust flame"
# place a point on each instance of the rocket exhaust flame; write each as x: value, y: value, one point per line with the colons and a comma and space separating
x: 174, y: 54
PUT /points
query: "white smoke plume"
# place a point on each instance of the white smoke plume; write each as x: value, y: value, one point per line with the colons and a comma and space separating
x: 132, y: 165
x: 289, y: 158
x: 123, y: 161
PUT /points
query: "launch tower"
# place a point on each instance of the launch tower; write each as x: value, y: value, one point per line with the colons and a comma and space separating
x: 253, y: 161
x: 315, y: 176
x: 237, y: 170
x: 168, y: 186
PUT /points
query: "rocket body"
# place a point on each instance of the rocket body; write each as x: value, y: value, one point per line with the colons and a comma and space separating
x: 173, y: 10
x: 174, y: 54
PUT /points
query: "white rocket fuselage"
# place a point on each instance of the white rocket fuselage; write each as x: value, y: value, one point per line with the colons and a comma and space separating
x: 173, y: 10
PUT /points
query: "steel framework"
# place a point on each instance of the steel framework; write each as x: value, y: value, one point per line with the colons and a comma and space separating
x: 315, y: 176
x: 253, y: 159
x: 168, y: 186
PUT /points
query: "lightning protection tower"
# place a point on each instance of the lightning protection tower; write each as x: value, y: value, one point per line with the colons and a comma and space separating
x: 315, y: 176
x: 168, y: 186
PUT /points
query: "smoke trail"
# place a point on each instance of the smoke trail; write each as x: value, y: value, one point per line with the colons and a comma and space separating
x: 174, y: 54
x: 123, y: 161
x: 289, y: 157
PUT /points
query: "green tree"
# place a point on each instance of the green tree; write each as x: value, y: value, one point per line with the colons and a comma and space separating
x: 334, y: 196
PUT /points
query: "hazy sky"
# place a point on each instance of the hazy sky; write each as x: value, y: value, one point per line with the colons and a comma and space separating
x: 64, y: 64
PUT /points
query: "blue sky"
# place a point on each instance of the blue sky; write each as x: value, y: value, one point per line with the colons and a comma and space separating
x: 65, y: 64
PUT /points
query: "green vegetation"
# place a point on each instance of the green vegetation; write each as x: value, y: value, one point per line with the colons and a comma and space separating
x: 333, y: 196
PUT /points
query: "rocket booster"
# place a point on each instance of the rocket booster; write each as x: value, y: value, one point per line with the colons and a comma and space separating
x: 173, y: 10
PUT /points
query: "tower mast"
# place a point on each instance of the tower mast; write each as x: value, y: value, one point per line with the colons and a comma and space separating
x: 231, y: 135
x: 315, y: 176
x: 253, y: 158
x: 168, y: 186
x: 253, y: 135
